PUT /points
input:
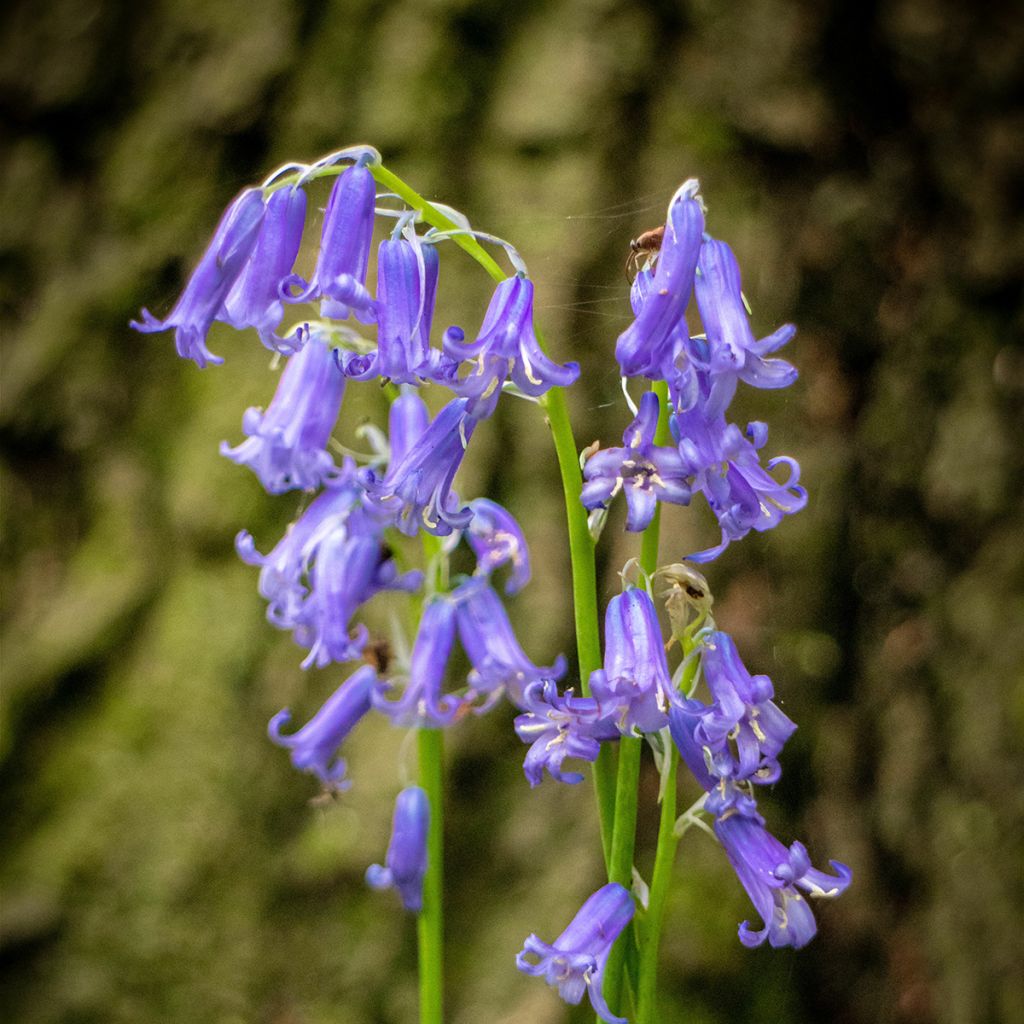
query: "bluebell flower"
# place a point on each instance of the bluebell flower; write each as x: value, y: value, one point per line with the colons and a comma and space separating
x: 287, y: 444
x: 497, y: 539
x: 499, y: 663
x: 315, y: 745
x: 405, y: 864
x: 773, y: 878
x: 506, y: 348
x: 743, y: 728
x: 406, y: 290
x: 416, y: 491
x: 283, y: 571
x: 208, y: 287
x: 408, y: 420
x: 648, y: 473
x: 661, y: 298
x: 732, y: 353
x: 422, y: 704
x: 340, y: 275
x: 635, y: 680
x: 349, y: 568
x: 559, y: 726
x: 740, y: 491
x: 254, y: 299
x: 575, y: 962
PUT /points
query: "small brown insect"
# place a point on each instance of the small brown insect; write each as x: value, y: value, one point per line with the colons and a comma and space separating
x: 643, y: 245
x: 378, y: 654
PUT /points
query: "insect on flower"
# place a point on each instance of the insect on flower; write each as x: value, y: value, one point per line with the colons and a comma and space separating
x: 644, y: 245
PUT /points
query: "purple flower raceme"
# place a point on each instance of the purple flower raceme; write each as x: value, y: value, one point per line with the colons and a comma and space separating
x: 422, y: 704
x: 406, y: 862
x: 506, y: 348
x: 406, y: 289
x: 660, y: 301
x: 576, y: 960
x: 211, y: 281
x: 254, y: 299
x: 559, y: 726
x: 499, y: 663
x: 635, y: 685
x: 314, y: 746
x: 497, y: 539
x: 287, y: 444
x: 774, y: 877
x: 416, y: 490
x: 340, y: 275
x: 647, y: 472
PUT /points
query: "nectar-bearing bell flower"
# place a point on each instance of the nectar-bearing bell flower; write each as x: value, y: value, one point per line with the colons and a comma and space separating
x: 340, y: 274
x: 776, y: 879
x: 211, y: 281
x: 416, y: 491
x: 635, y: 685
x: 254, y: 299
x: 408, y: 419
x: 422, y: 704
x: 499, y: 663
x: 643, y: 348
x: 646, y: 472
x: 732, y: 352
x: 405, y: 864
x: 283, y: 570
x: 497, y: 539
x: 559, y: 726
x: 505, y: 349
x: 575, y: 962
x: 287, y: 444
x: 315, y: 745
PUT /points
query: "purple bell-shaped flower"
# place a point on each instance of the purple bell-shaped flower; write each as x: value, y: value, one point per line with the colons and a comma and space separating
x: 405, y: 864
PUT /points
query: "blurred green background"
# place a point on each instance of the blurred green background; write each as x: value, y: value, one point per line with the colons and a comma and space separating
x: 160, y: 859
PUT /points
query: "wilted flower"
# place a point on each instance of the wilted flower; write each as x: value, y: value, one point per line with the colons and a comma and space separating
x: 314, y: 746
x: 406, y: 862
x: 208, y: 287
x: 287, y: 444
x: 576, y: 961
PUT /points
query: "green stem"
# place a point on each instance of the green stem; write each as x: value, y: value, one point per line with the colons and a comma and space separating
x: 430, y: 925
x: 664, y: 860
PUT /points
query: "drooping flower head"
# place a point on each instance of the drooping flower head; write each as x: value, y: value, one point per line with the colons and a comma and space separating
x: 422, y: 705
x: 340, y: 276
x: 559, y: 726
x: 315, y: 745
x: 287, y: 444
x: 497, y: 539
x: 648, y: 473
x: 647, y: 344
x: 635, y: 680
x: 416, y: 491
x: 405, y: 864
x: 408, y: 420
x: 208, y: 287
x: 499, y: 663
x: 576, y: 960
x: 774, y: 877
x: 506, y: 348
x: 255, y: 299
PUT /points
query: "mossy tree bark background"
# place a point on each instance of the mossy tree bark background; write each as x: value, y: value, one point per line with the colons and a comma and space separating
x: 161, y: 860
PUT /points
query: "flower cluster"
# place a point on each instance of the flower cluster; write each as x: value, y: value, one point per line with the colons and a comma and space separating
x: 701, y: 372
